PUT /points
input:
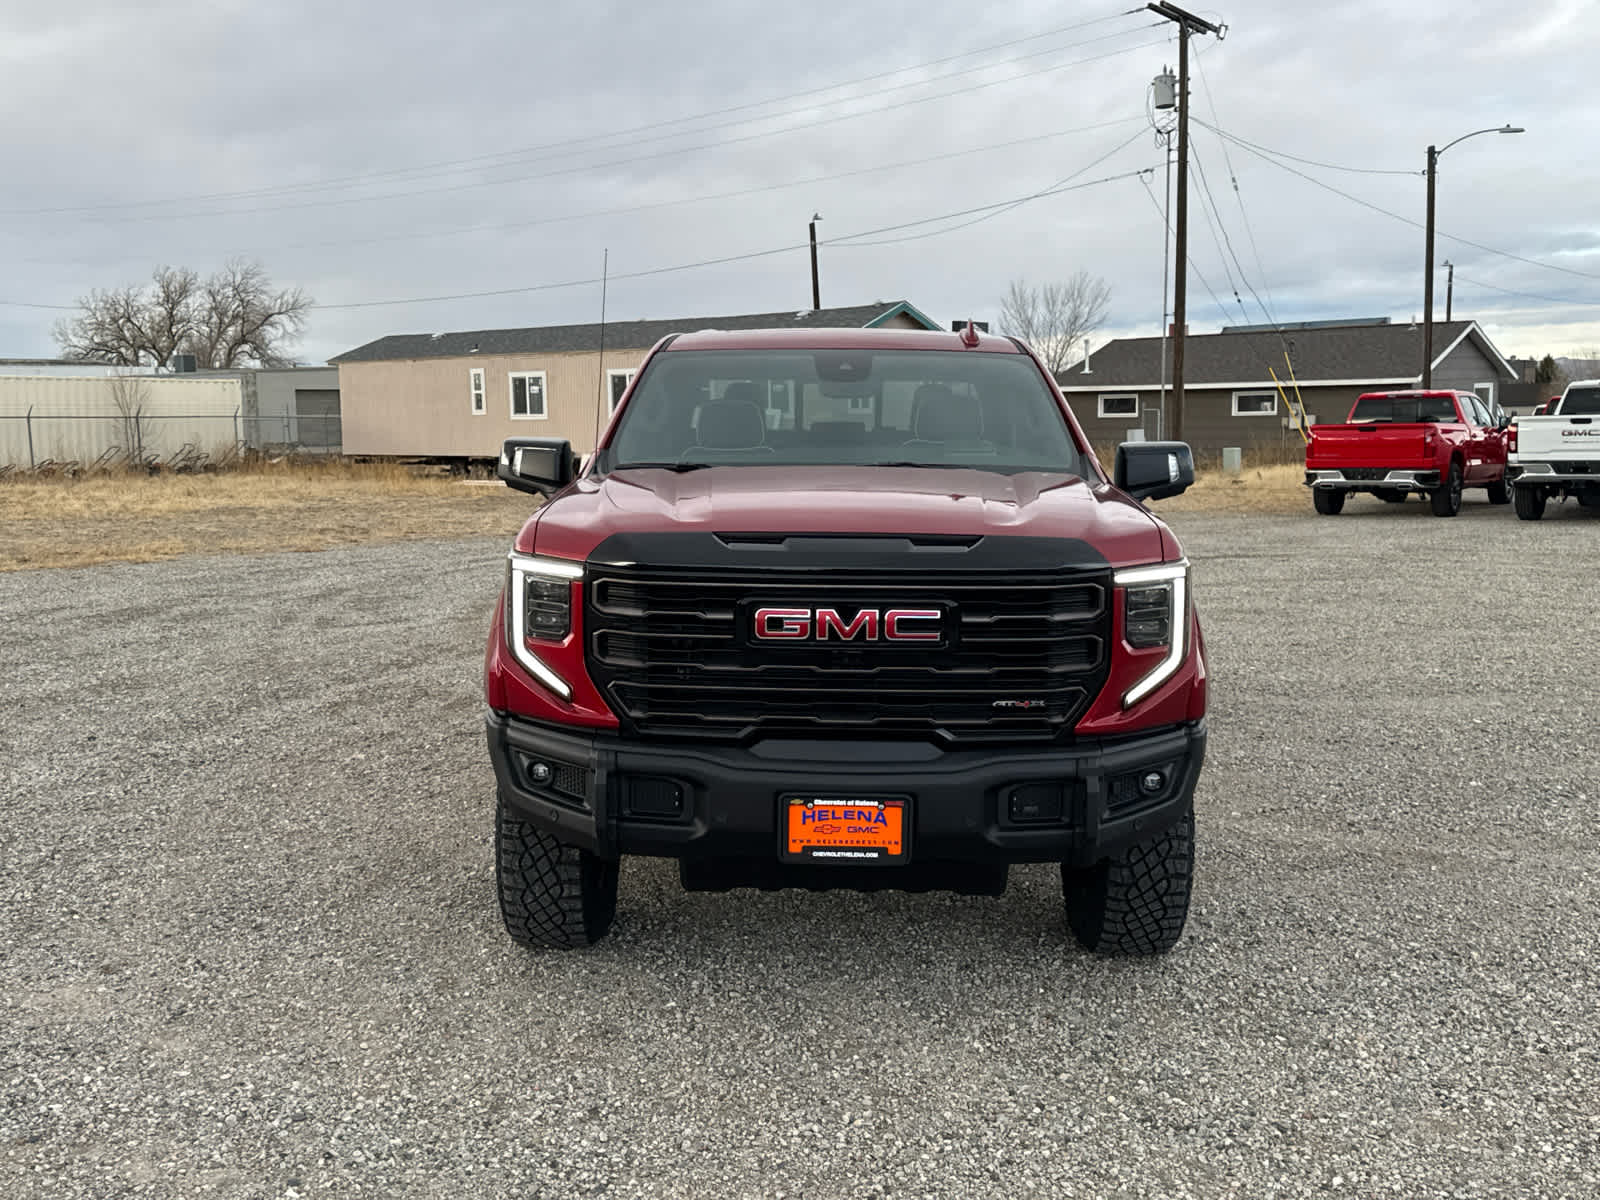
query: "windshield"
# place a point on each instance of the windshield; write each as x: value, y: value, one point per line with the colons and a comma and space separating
x: 1581, y: 402
x: 766, y: 408
x: 1404, y: 410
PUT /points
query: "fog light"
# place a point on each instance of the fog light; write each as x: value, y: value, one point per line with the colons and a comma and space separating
x: 540, y: 772
x: 1152, y: 782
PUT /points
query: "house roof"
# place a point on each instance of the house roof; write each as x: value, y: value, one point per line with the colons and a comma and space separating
x: 1376, y: 353
x: 623, y: 335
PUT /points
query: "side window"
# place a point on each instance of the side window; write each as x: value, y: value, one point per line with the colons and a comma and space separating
x: 617, y: 382
x: 1120, y: 405
x: 1255, y: 404
x: 527, y: 395
x: 475, y: 383
x: 1475, y: 410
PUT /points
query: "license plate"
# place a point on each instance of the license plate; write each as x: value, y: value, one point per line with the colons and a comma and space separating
x: 845, y: 830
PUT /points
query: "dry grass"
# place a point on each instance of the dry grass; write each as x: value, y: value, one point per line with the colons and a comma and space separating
x: 257, y: 507
x: 1265, y: 490
x: 1271, y: 483
x: 263, y: 507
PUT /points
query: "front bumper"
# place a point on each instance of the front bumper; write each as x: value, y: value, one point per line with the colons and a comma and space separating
x: 613, y: 796
x: 1392, y: 481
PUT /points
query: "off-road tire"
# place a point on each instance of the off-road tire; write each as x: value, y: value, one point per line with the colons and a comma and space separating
x: 552, y: 895
x: 1391, y: 495
x: 1446, y: 498
x: 1530, y: 503
x: 1135, y: 903
x: 1500, y: 491
x: 1329, y: 502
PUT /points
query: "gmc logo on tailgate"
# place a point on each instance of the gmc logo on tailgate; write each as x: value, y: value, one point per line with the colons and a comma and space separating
x: 915, y: 625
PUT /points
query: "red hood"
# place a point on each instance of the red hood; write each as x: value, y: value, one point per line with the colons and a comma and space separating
x: 845, y: 500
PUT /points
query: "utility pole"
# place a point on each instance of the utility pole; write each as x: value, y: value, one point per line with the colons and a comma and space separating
x: 1449, y: 288
x: 1187, y: 23
x: 816, y: 287
x: 1427, y: 279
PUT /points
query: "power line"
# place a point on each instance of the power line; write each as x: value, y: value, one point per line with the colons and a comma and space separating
x: 667, y: 153
x: 30, y: 304
x: 730, y: 258
x: 1051, y: 189
x: 1243, y: 277
x: 1532, y: 262
x: 1233, y: 178
x: 1193, y: 266
x: 523, y: 152
x: 562, y: 218
x: 1310, y: 162
x: 1567, y: 300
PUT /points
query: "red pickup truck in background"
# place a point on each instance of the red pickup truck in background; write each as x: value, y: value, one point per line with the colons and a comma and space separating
x: 1435, y: 442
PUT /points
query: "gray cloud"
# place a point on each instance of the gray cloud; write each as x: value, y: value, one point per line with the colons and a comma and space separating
x: 170, y: 102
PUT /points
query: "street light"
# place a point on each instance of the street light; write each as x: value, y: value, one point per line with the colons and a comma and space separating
x: 1427, y: 282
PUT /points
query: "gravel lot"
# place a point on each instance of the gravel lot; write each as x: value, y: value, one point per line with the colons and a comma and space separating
x: 249, y: 943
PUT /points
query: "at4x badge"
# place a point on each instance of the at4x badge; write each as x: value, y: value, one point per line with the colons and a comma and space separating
x: 1018, y: 704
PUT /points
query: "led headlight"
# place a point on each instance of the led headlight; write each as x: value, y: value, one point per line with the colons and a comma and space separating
x: 539, y: 606
x: 1155, y: 613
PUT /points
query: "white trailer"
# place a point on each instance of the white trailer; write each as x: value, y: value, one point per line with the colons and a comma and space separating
x: 84, y: 419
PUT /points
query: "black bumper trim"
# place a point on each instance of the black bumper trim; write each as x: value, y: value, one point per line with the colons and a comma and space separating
x: 959, y: 805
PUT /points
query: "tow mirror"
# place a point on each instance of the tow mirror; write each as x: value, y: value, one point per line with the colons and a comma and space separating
x: 1153, y: 470
x: 537, y: 465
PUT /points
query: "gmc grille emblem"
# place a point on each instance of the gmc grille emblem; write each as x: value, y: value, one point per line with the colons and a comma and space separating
x: 867, y: 625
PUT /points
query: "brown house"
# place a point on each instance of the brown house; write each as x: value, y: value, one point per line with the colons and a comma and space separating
x: 1231, y: 397
x: 459, y: 395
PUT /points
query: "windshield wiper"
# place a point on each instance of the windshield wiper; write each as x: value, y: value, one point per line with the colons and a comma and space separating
x: 914, y: 464
x: 679, y: 467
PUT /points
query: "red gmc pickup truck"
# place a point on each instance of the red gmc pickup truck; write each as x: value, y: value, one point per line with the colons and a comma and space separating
x: 846, y: 608
x: 1436, y: 443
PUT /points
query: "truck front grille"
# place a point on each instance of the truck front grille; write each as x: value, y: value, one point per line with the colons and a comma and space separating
x: 672, y: 652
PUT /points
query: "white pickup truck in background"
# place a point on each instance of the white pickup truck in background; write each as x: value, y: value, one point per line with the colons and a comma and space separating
x: 1558, y: 454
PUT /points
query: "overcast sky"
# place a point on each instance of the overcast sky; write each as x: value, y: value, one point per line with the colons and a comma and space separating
x: 400, y: 150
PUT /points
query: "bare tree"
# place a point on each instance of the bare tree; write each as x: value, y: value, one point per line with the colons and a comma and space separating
x: 1054, y: 318
x: 242, y: 320
x: 130, y: 393
x: 234, y: 318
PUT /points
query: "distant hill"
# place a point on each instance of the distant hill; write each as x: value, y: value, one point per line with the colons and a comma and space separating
x: 1579, y: 368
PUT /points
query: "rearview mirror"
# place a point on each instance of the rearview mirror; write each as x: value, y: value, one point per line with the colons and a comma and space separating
x: 537, y: 465
x: 1153, y: 470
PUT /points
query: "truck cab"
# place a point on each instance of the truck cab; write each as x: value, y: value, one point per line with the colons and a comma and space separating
x: 846, y: 608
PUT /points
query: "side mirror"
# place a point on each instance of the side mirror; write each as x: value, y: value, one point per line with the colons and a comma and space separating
x: 1504, y: 422
x: 537, y: 465
x: 1153, y: 470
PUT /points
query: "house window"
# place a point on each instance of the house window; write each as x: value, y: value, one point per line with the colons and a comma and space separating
x: 617, y: 382
x: 1119, y: 405
x: 527, y: 395
x: 1485, y: 393
x: 1255, y: 404
x: 475, y: 375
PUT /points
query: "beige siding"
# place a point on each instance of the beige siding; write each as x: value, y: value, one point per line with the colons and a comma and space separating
x: 423, y: 406
x: 901, y: 321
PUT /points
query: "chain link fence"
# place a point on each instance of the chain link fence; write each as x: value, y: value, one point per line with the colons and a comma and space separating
x: 50, y: 443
